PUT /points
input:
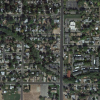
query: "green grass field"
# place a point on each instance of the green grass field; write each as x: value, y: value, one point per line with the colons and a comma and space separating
x: 71, y: 16
x: 9, y: 96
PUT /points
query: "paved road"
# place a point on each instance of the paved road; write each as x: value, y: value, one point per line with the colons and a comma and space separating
x: 22, y: 67
x: 61, y: 54
x: 4, y: 54
x: 22, y: 83
x: 20, y: 70
x: 9, y: 53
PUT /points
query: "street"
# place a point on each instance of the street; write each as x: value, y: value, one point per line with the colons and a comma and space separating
x: 61, y: 54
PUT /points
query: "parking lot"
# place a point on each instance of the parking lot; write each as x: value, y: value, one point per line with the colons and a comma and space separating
x: 71, y: 4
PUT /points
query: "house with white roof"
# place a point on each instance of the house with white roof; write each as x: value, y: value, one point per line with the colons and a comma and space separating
x: 11, y: 87
x: 26, y: 21
x: 72, y: 25
x: 2, y: 73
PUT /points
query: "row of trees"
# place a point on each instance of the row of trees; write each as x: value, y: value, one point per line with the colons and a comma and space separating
x: 89, y: 2
x: 35, y: 9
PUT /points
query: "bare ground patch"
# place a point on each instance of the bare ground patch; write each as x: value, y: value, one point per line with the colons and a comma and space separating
x: 33, y: 94
x: 56, y: 31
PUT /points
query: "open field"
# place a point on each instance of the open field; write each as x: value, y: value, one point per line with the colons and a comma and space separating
x: 71, y: 16
x: 11, y: 96
x: 33, y: 94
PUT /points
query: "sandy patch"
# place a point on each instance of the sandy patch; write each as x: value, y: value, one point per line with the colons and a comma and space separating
x: 56, y: 31
x: 33, y: 94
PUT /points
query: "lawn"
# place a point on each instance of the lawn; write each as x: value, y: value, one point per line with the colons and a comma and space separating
x: 71, y: 16
x: 10, y: 96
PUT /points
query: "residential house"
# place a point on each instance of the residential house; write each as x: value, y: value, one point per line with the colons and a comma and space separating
x: 2, y: 73
x: 11, y: 86
x: 78, y: 63
x: 53, y: 90
x: 77, y: 73
x: 79, y: 58
x: 97, y: 61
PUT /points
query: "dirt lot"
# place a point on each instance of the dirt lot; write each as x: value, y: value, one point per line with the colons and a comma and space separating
x: 33, y: 94
x: 56, y: 31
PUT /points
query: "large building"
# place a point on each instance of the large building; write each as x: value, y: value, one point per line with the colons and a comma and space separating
x: 71, y: 4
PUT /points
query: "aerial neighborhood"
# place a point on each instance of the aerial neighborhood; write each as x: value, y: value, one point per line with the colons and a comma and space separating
x: 49, y: 50
x: 81, y: 50
x: 29, y: 49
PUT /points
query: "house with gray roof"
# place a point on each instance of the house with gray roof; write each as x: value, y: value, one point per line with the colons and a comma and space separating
x: 77, y: 73
x: 79, y: 58
x: 97, y: 61
x: 78, y: 63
